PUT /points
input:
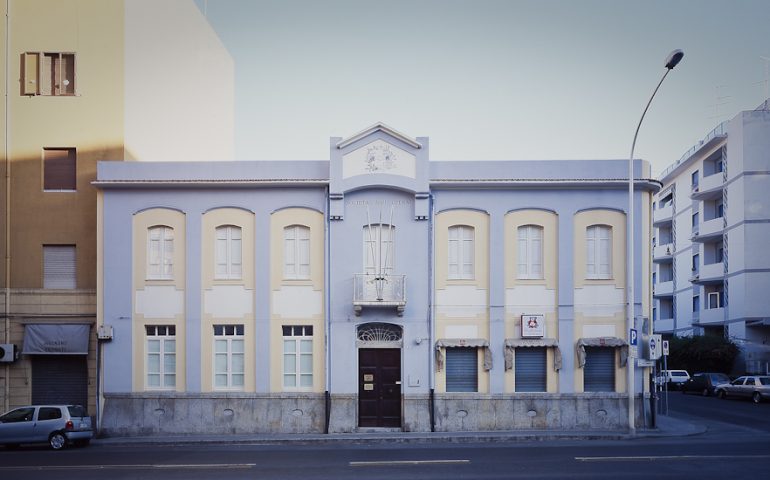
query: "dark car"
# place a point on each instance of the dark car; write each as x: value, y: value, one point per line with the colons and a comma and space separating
x: 704, y: 383
x: 56, y: 425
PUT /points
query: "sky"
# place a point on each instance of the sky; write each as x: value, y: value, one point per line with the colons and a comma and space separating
x: 491, y: 79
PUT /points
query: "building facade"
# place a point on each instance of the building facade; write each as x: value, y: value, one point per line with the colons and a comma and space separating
x: 712, y: 225
x: 77, y: 90
x: 374, y: 289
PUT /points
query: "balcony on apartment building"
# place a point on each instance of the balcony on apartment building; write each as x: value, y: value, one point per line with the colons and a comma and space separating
x: 663, y: 253
x: 662, y: 215
x: 708, y: 230
x: 663, y: 325
x: 663, y: 289
x: 709, y: 187
x: 372, y: 290
x: 708, y: 274
x: 714, y: 312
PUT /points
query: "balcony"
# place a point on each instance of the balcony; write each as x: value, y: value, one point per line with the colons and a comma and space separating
x: 712, y: 316
x: 663, y: 215
x: 664, y: 325
x: 663, y: 289
x: 663, y: 253
x: 709, y: 187
x: 370, y: 290
x: 709, y: 230
x: 711, y: 273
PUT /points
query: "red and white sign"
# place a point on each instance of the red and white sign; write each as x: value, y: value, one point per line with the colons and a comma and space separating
x: 532, y: 326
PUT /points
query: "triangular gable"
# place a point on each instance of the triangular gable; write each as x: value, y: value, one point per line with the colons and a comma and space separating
x: 379, y: 127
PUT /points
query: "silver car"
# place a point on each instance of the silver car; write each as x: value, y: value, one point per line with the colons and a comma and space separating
x: 755, y: 387
x: 56, y: 425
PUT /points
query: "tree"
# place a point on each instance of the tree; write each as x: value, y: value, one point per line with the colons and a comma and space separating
x: 702, y: 354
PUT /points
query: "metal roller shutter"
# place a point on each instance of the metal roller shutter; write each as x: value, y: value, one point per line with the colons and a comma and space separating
x: 59, y: 266
x: 530, y: 369
x: 599, y: 371
x: 59, y: 379
x: 461, y: 370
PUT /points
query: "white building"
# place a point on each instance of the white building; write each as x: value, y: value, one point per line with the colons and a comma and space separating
x: 712, y: 232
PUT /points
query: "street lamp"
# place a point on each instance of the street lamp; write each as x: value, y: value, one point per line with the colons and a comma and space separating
x: 671, y: 61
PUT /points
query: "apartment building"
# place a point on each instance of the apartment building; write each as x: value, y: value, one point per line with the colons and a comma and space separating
x: 80, y: 84
x: 373, y: 289
x: 712, y: 227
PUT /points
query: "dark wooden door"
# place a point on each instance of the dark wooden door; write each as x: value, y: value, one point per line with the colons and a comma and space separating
x: 379, y: 387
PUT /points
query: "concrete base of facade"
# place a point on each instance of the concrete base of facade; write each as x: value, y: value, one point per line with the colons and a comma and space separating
x: 133, y: 414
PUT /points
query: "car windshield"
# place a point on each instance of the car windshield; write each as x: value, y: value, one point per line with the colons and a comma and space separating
x: 77, y: 411
x: 764, y: 380
x: 678, y: 374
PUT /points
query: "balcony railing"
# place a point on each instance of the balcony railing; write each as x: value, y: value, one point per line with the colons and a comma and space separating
x: 663, y: 214
x: 663, y: 253
x: 708, y: 230
x: 710, y: 273
x: 663, y: 289
x: 710, y: 187
x: 371, y: 290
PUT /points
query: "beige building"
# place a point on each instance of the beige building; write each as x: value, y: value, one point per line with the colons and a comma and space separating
x: 77, y: 91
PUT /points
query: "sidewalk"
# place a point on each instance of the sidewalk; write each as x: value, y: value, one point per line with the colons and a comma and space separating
x: 667, y: 427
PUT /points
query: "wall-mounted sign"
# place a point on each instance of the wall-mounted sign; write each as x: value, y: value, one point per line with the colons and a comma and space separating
x: 368, y: 377
x: 532, y: 326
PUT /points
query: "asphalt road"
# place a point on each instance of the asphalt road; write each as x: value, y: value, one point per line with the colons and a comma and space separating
x: 736, y: 444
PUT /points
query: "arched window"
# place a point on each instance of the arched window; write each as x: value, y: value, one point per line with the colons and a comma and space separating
x: 296, y: 252
x: 228, y: 252
x: 599, y: 252
x: 160, y: 253
x: 530, y: 252
x: 461, y: 252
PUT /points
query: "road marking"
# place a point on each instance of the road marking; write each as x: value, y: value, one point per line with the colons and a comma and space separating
x: 652, y: 458
x: 133, y: 467
x: 388, y: 463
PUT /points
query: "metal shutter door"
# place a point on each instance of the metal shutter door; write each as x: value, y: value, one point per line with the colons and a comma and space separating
x: 530, y: 369
x: 461, y: 370
x: 59, y: 266
x: 599, y: 371
x: 59, y: 379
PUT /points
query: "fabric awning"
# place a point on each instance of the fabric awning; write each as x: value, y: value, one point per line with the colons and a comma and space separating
x: 513, y: 343
x: 462, y: 342
x: 616, y: 342
x: 56, y: 339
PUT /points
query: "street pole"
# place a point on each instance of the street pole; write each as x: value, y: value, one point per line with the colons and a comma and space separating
x: 671, y: 61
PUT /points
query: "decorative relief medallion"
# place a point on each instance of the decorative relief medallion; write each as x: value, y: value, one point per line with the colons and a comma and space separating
x: 380, y: 158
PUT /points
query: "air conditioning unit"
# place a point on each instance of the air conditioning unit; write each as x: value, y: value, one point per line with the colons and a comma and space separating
x: 7, y: 352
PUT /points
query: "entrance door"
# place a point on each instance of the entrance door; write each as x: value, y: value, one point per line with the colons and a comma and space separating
x: 379, y: 387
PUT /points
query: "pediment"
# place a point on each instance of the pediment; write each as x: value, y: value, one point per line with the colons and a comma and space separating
x: 379, y: 127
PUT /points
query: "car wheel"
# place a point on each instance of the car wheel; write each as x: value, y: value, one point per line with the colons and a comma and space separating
x: 705, y: 392
x: 57, y: 440
x: 756, y: 397
x: 721, y: 394
x: 82, y: 443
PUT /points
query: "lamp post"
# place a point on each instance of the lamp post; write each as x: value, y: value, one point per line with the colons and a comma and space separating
x: 671, y: 61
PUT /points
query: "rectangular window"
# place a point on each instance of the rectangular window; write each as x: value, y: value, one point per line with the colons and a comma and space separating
x: 379, y: 253
x: 298, y: 357
x: 160, y: 253
x: 59, y: 262
x: 59, y: 169
x: 461, y: 252
x: 228, y: 253
x: 715, y: 300
x: 598, y: 252
x: 720, y: 252
x: 462, y: 370
x: 719, y: 209
x: 695, y: 221
x: 696, y: 263
x: 296, y: 252
x: 696, y: 303
x: 161, y: 356
x: 228, y: 357
x: 530, y: 252
x: 599, y: 370
x: 719, y: 166
x: 694, y: 179
x: 48, y: 73
x: 530, y: 369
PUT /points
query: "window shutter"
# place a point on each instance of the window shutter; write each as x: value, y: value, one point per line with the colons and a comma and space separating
x: 59, y: 267
x: 303, y: 252
x: 59, y: 169
x: 31, y: 82
x: 522, y: 261
x: 235, y: 252
x: 599, y: 370
x: 461, y: 370
x: 288, y: 252
x: 591, y: 252
x: 454, y: 253
x: 605, y: 249
x: 468, y: 254
x: 221, y: 251
x: 530, y: 369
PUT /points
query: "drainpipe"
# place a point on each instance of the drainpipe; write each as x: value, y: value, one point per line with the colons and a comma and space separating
x: 7, y: 396
x: 431, y: 316
x: 328, y: 320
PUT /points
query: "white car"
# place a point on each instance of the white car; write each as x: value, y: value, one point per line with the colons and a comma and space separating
x: 674, y: 378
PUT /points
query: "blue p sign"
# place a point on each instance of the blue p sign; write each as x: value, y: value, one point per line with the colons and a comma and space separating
x: 632, y: 337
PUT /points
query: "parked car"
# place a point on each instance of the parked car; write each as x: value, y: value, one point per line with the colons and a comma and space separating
x: 57, y: 425
x: 704, y: 383
x: 674, y: 378
x: 755, y: 387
